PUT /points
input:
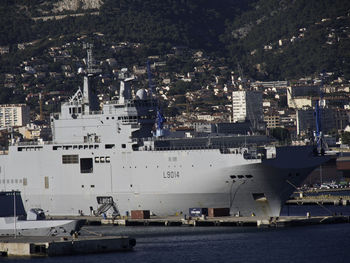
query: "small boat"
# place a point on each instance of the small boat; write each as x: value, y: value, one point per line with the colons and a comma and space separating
x: 14, y: 221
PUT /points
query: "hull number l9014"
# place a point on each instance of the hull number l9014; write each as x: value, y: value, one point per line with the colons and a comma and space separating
x: 171, y: 174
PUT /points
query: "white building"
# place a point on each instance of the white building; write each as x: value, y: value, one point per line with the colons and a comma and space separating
x: 12, y: 115
x: 247, y: 105
x: 301, y: 96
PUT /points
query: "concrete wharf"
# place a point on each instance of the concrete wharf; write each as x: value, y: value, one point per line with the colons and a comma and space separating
x: 230, y: 221
x: 56, y: 246
x: 319, y: 201
x: 254, y: 221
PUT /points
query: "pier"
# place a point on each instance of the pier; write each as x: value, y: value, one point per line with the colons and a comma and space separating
x: 76, y: 244
x: 231, y: 221
x: 319, y: 201
x: 234, y: 221
x: 318, y: 197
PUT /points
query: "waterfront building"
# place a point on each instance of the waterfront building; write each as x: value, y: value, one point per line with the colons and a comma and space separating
x: 306, y: 120
x: 302, y: 95
x: 272, y: 120
x: 247, y: 105
x: 14, y: 115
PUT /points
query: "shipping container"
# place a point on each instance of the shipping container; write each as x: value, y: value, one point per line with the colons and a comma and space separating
x: 215, y: 212
x: 140, y: 214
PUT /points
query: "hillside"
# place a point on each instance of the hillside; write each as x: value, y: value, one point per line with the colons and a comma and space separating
x: 286, y: 39
x: 271, y: 39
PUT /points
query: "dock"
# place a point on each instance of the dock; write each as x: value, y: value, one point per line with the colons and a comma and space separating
x: 231, y: 221
x: 56, y: 246
x: 234, y: 221
x: 180, y: 220
x: 321, y: 199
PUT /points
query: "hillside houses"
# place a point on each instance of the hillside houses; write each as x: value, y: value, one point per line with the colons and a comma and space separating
x: 191, y: 87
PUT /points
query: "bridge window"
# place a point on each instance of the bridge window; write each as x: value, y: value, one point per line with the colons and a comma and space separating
x: 71, y: 158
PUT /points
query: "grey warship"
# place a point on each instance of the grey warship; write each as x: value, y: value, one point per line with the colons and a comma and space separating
x: 111, y: 153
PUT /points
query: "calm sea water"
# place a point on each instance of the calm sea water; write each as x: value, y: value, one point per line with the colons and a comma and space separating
x: 320, y: 243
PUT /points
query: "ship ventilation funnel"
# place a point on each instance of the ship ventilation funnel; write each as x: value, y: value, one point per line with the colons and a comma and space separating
x: 125, y: 90
x: 89, y: 96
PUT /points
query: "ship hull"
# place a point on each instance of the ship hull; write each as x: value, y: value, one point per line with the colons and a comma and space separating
x: 164, y: 182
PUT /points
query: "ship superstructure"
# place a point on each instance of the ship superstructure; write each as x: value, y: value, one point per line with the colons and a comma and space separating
x: 111, y: 154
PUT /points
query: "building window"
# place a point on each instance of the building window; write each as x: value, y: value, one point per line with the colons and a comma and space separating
x: 123, y: 145
x: 86, y: 165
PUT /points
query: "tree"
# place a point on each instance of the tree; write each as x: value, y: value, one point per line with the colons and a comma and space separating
x: 281, y: 134
x: 345, y: 138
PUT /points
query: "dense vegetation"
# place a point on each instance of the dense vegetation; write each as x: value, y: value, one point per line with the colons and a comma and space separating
x: 276, y: 20
x: 233, y: 29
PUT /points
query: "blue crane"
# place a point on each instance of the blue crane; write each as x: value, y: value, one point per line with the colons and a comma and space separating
x: 160, y: 118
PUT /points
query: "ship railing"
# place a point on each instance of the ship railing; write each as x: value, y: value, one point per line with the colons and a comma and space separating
x: 184, y: 148
x: 30, y: 143
x: 252, y: 156
x: 111, y: 102
x: 128, y: 122
x: 72, y: 103
x: 96, y: 112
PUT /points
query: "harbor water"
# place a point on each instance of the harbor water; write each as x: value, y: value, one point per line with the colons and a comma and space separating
x: 318, y: 243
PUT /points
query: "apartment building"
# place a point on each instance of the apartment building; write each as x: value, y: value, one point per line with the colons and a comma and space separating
x: 14, y: 115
